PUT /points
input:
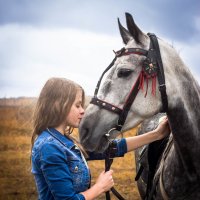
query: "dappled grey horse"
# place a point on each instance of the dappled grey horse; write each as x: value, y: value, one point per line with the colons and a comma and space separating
x: 146, y: 77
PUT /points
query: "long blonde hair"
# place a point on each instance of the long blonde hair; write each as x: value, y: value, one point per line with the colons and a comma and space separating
x: 54, y: 104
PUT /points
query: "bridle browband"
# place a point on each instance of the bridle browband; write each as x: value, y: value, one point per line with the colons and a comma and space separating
x: 152, y: 67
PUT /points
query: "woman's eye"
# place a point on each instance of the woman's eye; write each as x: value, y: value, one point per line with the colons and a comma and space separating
x: 78, y: 105
x: 123, y: 73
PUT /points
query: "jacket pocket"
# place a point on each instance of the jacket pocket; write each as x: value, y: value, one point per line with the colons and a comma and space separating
x: 79, y: 173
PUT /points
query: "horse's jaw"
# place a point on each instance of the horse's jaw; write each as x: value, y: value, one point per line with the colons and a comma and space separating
x: 98, y: 127
x: 93, y: 128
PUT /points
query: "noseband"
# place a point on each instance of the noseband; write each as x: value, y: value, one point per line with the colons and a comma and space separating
x: 152, y: 68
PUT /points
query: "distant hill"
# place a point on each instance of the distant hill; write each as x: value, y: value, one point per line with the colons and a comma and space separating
x: 25, y: 101
x: 15, y: 102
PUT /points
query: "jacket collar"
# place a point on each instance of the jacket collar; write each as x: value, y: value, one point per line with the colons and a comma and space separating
x: 61, y: 138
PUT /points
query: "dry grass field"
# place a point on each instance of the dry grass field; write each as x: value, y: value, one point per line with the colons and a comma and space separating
x: 16, y: 181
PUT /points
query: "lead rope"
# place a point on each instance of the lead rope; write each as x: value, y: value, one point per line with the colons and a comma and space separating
x: 108, y: 163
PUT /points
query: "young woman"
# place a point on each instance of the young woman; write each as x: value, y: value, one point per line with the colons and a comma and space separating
x: 58, y: 163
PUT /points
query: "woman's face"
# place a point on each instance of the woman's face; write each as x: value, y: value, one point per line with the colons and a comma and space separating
x: 76, y: 112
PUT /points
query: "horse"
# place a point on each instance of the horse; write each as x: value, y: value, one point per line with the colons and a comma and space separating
x: 146, y: 77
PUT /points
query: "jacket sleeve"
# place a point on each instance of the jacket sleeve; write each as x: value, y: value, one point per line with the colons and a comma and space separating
x: 121, y: 149
x: 54, y: 167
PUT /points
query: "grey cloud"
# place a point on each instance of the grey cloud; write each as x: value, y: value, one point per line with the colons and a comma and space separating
x: 171, y: 18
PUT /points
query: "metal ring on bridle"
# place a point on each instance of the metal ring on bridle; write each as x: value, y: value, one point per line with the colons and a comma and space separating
x: 108, y: 134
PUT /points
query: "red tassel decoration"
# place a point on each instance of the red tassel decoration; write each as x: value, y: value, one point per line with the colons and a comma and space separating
x: 141, y: 85
x: 145, y: 78
x: 147, y: 83
x: 153, y: 86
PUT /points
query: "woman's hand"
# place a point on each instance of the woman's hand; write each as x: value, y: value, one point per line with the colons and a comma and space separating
x: 163, y: 128
x: 103, y: 184
x: 105, y: 181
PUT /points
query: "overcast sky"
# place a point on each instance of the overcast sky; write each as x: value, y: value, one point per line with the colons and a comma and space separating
x: 74, y: 38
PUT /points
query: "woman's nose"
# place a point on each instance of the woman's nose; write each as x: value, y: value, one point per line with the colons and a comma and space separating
x: 82, y: 111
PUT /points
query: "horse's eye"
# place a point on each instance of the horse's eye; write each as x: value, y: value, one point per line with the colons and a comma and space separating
x: 124, y: 73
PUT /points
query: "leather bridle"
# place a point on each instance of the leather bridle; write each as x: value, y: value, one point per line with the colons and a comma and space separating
x: 152, y: 68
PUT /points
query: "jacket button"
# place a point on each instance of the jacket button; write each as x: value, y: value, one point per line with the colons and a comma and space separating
x: 76, y: 169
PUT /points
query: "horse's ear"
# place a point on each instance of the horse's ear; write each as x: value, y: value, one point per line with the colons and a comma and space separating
x: 133, y: 28
x: 126, y: 36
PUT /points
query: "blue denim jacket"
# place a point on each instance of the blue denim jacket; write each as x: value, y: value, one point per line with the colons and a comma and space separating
x: 59, y: 168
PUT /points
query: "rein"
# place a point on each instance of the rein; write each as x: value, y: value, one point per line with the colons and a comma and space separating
x: 108, y: 162
x: 152, y: 68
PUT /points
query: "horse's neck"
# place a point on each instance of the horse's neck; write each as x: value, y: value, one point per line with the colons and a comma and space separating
x: 184, y: 119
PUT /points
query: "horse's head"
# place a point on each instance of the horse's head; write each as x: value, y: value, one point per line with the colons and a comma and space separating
x: 125, y: 75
